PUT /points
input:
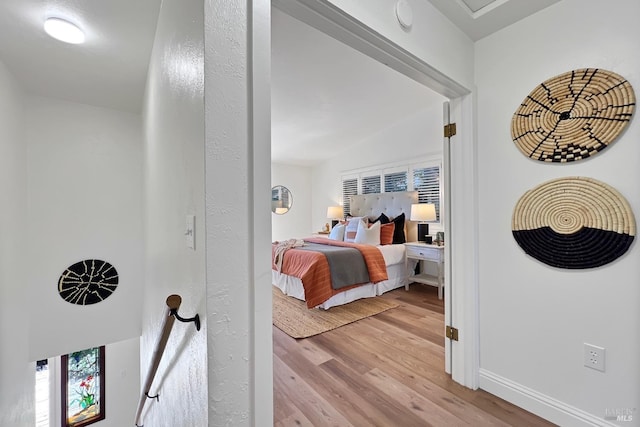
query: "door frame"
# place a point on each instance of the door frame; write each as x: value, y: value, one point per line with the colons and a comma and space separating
x: 461, y: 250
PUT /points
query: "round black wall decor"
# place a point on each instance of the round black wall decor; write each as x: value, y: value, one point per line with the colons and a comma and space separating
x: 573, y: 116
x: 88, y: 282
x: 573, y: 223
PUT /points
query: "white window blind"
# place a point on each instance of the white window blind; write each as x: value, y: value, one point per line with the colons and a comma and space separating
x: 395, y: 181
x: 349, y: 188
x: 426, y: 181
x: 371, y: 184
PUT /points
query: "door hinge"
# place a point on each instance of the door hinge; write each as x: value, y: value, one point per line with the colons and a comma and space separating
x: 449, y: 130
x: 452, y: 333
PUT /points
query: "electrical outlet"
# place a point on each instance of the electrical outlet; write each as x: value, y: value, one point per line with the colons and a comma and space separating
x: 594, y: 357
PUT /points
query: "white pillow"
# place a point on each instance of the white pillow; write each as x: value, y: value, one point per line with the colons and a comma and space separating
x: 368, y: 236
x: 352, y: 228
x: 337, y: 232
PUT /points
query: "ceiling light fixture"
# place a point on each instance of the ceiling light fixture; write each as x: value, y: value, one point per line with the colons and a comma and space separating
x: 63, y: 30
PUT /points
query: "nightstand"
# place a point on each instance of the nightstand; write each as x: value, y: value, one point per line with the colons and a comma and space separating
x: 430, y: 253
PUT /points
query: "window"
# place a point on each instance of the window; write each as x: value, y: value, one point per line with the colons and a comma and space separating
x: 82, y: 387
x: 42, y: 393
x: 423, y: 177
x: 426, y: 181
x: 349, y: 188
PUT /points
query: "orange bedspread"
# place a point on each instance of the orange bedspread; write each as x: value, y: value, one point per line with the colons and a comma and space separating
x: 312, y: 269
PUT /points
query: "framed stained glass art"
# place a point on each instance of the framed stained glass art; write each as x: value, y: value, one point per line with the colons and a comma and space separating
x: 83, y: 389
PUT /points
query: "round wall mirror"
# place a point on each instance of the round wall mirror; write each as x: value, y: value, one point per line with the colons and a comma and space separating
x: 281, y: 200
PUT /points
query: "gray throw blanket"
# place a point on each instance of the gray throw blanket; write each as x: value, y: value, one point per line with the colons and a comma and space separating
x: 346, y: 265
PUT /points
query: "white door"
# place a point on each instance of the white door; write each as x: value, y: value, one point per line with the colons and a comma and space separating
x: 460, y: 205
x: 446, y: 220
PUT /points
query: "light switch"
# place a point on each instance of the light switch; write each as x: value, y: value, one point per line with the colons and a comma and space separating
x: 190, y: 231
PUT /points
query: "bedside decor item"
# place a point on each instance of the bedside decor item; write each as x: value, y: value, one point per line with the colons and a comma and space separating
x: 573, y: 223
x: 573, y: 116
x: 335, y: 214
x: 88, y: 282
x: 423, y: 212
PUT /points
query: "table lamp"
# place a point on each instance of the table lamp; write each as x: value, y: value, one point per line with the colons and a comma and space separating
x: 423, y: 212
x: 335, y: 213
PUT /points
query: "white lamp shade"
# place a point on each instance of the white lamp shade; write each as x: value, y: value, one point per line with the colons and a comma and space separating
x: 423, y: 212
x: 335, y: 212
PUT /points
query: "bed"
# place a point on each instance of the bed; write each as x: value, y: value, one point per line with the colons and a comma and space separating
x: 398, y: 268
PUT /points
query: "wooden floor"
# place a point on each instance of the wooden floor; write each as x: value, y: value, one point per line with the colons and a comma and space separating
x: 385, y: 370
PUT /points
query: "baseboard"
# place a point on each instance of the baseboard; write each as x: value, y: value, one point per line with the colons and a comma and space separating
x: 537, y: 403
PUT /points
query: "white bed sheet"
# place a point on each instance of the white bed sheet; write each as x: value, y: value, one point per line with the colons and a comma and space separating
x: 398, y: 273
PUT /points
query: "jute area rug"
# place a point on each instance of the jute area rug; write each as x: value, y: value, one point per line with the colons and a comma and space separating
x: 294, y: 318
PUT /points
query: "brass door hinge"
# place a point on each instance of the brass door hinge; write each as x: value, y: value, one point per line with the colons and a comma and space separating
x: 452, y: 333
x: 449, y: 130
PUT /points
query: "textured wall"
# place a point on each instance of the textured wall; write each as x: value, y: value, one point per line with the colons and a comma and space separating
x: 535, y: 318
x: 238, y: 212
x: 16, y: 372
x: 174, y: 188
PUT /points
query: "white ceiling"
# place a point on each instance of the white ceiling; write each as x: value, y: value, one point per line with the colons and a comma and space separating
x: 324, y: 94
x: 109, y: 70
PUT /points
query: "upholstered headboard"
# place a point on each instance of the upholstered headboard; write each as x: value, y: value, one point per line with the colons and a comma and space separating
x: 391, y: 204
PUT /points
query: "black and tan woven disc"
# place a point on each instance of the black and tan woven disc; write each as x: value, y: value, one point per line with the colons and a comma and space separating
x: 88, y: 282
x: 573, y: 116
x: 573, y: 223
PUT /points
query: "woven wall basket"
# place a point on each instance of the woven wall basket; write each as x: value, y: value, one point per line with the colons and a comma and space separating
x: 573, y: 116
x: 573, y: 223
x: 88, y: 282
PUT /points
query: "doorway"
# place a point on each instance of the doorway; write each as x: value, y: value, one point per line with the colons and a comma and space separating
x: 460, y: 251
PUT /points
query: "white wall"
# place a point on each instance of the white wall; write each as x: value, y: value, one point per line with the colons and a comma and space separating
x: 122, y: 383
x: 16, y: 371
x: 51, y: 137
x: 535, y: 318
x: 84, y: 202
x: 297, y: 222
x: 417, y: 136
x: 174, y: 187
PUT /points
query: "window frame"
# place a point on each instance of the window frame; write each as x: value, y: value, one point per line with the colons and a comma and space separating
x: 64, y: 381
